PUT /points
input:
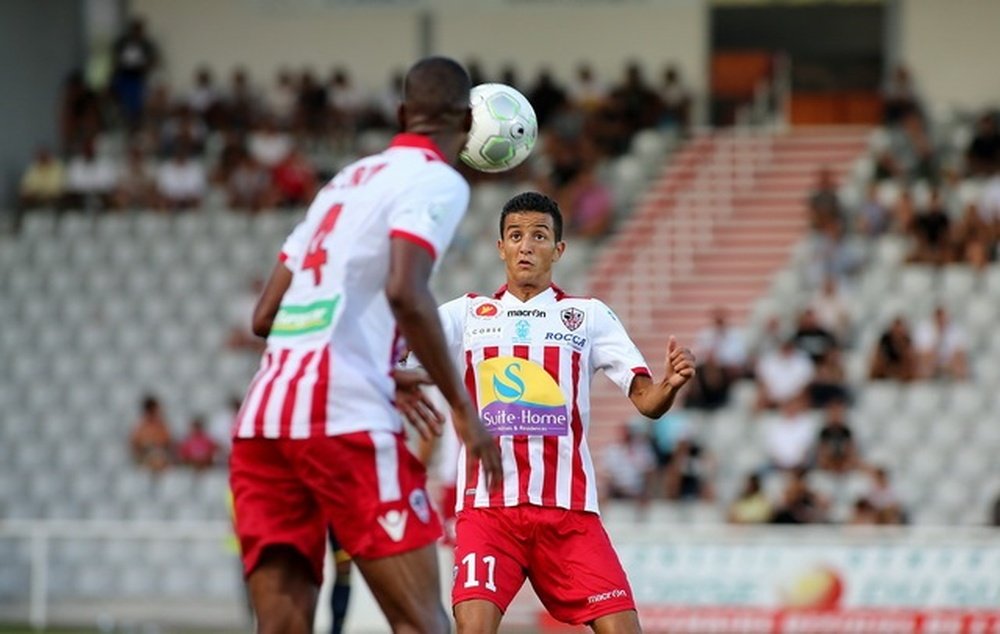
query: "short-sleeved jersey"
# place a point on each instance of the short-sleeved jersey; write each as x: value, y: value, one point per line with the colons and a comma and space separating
x: 326, y: 369
x: 528, y: 367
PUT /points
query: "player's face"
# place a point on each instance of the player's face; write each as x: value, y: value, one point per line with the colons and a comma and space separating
x: 529, y: 247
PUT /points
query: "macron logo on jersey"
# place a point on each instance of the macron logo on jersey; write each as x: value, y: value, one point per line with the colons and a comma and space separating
x: 394, y: 523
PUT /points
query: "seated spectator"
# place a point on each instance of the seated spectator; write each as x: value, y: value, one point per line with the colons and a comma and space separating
x: 232, y: 153
x: 833, y: 253
x: 638, y: 103
x: 136, y: 187
x: 181, y: 182
x: 724, y: 342
x: 90, y: 179
x: 268, y: 145
x: 983, y: 154
x: 824, y: 202
x: 884, y: 498
x: 789, y: 437
x: 932, y: 232
x: 348, y: 102
x: 676, y: 101
x: 629, y: 463
x: 198, y: 449
x: 293, y: 181
x: 709, y: 390
x: 873, y: 217
x: 752, y: 506
x: 249, y: 185
x: 812, y: 338
x: 690, y: 472
x: 665, y: 434
x: 151, y: 443
x: 974, y: 239
x: 43, y: 183
x: 185, y: 128
x: 941, y: 348
x: 205, y: 99
x: 586, y: 92
x: 832, y: 309
x: 829, y: 383
x: 899, y: 96
x: 864, y: 514
x: 835, y: 448
x: 895, y: 357
x: 282, y: 99
x: 241, y: 102
x: 783, y: 375
x: 800, y: 504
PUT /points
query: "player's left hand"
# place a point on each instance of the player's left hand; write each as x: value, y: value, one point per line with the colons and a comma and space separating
x: 414, y: 405
x: 679, y: 367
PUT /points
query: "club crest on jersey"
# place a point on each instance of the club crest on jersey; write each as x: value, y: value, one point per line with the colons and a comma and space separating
x: 418, y: 502
x: 572, y: 318
x: 486, y: 310
x: 522, y: 331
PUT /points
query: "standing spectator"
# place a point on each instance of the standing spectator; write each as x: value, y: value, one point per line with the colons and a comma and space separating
x: 932, y: 231
x: 151, y: 443
x: 198, y: 449
x: 812, y: 338
x: 895, y: 356
x: 941, y: 348
x: 629, y: 463
x: 983, y: 155
x: 136, y: 187
x: 90, y: 179
x: 789, y: 438
x: 181, y: 182
x: 799, y: 503
x: 135, y: 56
x: 752, y: 505
x: 724, y: 342
x: 44, y: 181
x: 832, y: 309
x: 783, y: 375
x: 676, y: 100
x: 835, y: 447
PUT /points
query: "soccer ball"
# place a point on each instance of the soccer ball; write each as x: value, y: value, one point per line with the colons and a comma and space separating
x: 504, y: 129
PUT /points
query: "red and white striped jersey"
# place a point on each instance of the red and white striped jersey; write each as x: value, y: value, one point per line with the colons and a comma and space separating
x: 528, y: 366
x: 326, y: 370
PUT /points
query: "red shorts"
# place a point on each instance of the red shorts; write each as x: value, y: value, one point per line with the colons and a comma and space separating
x: 367, y: 486
x: 565, y: 554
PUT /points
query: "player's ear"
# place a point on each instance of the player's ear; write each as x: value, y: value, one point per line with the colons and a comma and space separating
x: 401, y: 117
x: 560, y: 247
x: 500, y: 248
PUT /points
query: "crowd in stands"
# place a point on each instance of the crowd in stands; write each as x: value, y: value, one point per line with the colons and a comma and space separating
x: 139, y: 143
x: 205, y: 445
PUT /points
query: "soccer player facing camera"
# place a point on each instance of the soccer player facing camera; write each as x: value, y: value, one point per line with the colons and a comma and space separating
x: 529, y: 353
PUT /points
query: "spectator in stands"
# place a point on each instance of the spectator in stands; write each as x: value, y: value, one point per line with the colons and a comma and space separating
x: 90, y: 179
x: 752, y: 506
x: 181, y: 183
x: 724, y: 342
x: 834, y: 253
x: 388, y: 100
x: 989, y: 202
x: 799, y: 503
x: 205, y: 99
x: 44, y: 181
x: 873, y: 217
x: 242, y: 104
x: 829, y: 383
x: 293, y: 180
x: 267, y: 144
x: 134, y: 57
x: 789, y: 437
x: 835, y: 447
x: 547, y: 97
x: 136, y: 186
x: 812, y: 338
x: 282, y: 99
x: 638, y: 103
x: 832, y: 309
x: 899, y: 96
x: 975, y: 240
x: 895, y: 357
x: 783, y: 375
x: 709, y: 389
x: 691, y: 472
x: 151, y: 443
x: 983, y: 154
x: 629, y: 463
x: 676, y: 101
x: 232, y: 153
x: 183, y: 127
x: 824, y: 202
x: 79, y: 112
x: 941, y: 348
x: 586, y: 92
x: 665, y: 433
x: 198, y: 449
x: 312, y: 106
x: 348, y: 103
x: 884, y: 498
x: 932, y: 231
x: 864, y: 513
x: 248, y: 187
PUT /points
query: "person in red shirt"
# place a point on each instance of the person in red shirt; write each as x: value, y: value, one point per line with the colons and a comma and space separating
x: 198, y: 450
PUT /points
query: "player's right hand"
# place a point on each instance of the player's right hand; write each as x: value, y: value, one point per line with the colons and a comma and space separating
x: 479, y: 444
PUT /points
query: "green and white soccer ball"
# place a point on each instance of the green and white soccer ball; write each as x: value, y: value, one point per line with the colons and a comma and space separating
x: 504, y: 129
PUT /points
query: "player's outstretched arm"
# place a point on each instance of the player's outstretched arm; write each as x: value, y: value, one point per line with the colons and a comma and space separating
x: 270, y: 299
x: 417, y: 316
x: 652, y: 398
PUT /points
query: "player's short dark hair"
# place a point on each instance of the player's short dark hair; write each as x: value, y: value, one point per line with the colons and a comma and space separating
x: 437, y: 85
x: 533, y: 201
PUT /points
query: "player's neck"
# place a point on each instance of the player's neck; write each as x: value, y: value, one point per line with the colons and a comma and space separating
x: 526, y: 290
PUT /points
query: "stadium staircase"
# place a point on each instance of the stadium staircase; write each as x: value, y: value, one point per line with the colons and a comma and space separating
x: 722, y: 218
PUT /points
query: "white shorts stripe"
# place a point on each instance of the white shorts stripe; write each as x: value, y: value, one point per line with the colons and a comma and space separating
x: 386, y: 466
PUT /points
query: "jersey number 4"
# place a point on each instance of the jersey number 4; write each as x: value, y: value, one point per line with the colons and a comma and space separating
x: 315, y: 256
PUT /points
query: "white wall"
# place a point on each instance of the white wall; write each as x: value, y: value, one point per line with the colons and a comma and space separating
x: 373, y: 42
x: 952, y: 48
